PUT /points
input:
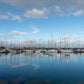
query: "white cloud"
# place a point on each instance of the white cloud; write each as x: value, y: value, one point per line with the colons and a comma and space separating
x: 44, y: 13
x: 43, y: 8
x: 19, y: 33
x: 79, y: 13
x: 35, y: 30
x: 10, y: 16
x: 68, y: 6
x: 4, y: 17
x: 15, y: 17
x: 13, y: 33
x: 35, y: 13
x: 25, y: 33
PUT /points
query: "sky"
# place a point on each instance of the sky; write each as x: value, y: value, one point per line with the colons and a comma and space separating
x: 45, y: 19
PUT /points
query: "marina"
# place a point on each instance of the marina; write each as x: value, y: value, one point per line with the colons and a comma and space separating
x: 41, y: 41
x: 41, y: 46
x: 43, y: 50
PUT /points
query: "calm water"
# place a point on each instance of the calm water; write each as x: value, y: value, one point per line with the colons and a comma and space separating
x: 42, y: 69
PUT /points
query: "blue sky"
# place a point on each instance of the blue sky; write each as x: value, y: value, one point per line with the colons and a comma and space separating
x: 36, y: 19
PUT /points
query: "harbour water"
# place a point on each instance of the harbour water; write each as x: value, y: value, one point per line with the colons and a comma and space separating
x: 41, y: 68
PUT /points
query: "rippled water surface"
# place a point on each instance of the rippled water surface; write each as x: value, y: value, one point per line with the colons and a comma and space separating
x: 42, y: 69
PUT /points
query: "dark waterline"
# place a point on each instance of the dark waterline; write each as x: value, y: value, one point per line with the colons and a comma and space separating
x: 42, y: 69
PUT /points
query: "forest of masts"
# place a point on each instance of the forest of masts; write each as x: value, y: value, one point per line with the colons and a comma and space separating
x: 40, y: 43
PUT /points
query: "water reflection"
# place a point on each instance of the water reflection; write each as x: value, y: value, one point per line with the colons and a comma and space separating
x: 41, y: 68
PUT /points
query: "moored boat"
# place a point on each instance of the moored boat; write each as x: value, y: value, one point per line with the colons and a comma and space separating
x: 51, y: 51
